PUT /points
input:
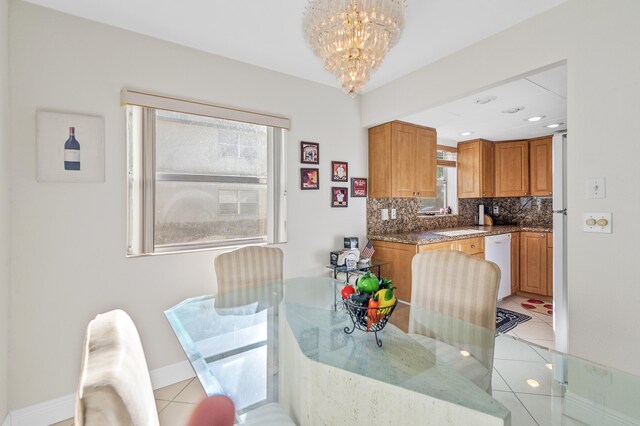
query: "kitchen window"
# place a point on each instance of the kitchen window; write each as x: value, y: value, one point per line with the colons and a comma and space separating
x: 202, y: 176
x: 446, y: 185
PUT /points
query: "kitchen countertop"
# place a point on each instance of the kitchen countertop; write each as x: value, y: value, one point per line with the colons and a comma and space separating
x: 432, y: 235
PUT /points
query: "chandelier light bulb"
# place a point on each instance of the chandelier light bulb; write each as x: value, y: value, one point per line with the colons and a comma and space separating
x: 352, y: 37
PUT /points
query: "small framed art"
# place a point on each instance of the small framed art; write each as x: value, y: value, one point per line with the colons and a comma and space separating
x: 358, y: 187
x: 339, y: 171
x: 309, y: 152
x: 339, y: 197
x: 309, y: 179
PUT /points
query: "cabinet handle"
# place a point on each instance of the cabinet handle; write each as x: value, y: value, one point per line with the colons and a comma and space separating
x: 473, y: 246
x: 542, y: 235
x: 550, y: 193
x: 526, y: 193
x: 418, y: 193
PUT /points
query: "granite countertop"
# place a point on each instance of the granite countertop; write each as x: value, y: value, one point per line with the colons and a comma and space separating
x: 432, y: 235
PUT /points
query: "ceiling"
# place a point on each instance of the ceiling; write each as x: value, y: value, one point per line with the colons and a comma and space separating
x: 268, y: 33
x: 541, y: 94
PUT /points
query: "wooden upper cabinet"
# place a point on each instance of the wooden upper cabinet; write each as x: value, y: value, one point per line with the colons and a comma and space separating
x: 512, y: 169
x: 402, y: 161
x: 476, y: 169
x: 541, y: 167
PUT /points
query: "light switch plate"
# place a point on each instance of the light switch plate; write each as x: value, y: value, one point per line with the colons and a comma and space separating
x: 385, y: 214
x: 393, y: 213
x: 597, y: 222
x: 596, y: 187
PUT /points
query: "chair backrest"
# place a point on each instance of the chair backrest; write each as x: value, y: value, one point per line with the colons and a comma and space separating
x: 241, y: 274
x: 115, y: 387
x: 463, y: 291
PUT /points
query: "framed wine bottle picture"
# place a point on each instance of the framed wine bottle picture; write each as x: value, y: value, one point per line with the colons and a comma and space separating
x: 70, y: 147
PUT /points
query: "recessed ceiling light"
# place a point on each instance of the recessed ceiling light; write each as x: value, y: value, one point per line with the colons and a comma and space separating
x: 533, y: 383
x: 554, y: 125
x: 513, y: 110
x: 485, y: 100
x: 549, y: 366
x: 536, y: 118
x: 464, y: 353
x: 466, y: 133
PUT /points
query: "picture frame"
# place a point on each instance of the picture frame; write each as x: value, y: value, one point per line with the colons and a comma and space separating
x: 339, y: 171
x: 358, y: 187
x: 339, y: 196
x: 309, y: 152
x: 309, y: 178
x: 69, y: 147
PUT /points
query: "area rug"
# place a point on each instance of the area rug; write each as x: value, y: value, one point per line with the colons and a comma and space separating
x: 507, y: 320
x: 539, y: 306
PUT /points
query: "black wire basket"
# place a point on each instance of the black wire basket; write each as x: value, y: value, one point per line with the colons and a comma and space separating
x: 368, y: 319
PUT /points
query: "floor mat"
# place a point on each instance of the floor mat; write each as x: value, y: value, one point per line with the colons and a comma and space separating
x: 539, y: 306
x: 507, y: 320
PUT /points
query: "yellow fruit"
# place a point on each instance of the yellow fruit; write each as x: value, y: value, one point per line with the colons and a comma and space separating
x: 381, y: 294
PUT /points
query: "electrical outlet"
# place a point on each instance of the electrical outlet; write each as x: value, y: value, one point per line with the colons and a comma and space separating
x: 384, y: 214
x: 393, y: 213
x: 496, y: 209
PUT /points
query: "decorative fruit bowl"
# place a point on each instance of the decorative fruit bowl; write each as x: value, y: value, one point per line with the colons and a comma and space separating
x: 369, y: 305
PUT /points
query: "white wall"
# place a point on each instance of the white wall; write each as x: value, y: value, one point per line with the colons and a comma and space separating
x: 4, y: 206
x: 68, y: 247
x: 600, y: 41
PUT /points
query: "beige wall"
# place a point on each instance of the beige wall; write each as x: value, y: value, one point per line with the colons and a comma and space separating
x: 68, y: 248
x: 4, y: 206
x: 600, y: 40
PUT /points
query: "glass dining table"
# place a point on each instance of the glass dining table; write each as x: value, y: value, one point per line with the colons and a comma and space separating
x: 285, y: 342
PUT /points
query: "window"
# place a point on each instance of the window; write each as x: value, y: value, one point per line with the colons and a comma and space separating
x: 201, y: 180
x: 446, y: 184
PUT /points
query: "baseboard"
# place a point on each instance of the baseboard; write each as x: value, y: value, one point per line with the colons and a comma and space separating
x: 586, y: 411
x: 62, y: 408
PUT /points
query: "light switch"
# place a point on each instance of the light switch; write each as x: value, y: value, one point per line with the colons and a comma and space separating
x: 596, y: 187
x: 597, y: 222
x: 385, y: 214
x: 393, y: 213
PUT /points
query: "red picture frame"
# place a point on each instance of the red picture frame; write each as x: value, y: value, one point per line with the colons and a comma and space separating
x: 309, y: 179
x: 339, y: 197
x: 339, y: 171
x: 309, y: 152
x: 358, y: 187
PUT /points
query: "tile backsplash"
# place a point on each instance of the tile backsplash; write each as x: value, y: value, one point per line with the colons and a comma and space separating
x: 524, y: 211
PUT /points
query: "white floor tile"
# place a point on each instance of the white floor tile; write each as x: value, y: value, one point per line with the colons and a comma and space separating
x: 161, y: 405
x: 519, y: 414
x: 169, y: 392
x: 544, y: 352
x: 518, y: 373
x: 534, y: 330
x: 498, y: 383
x: 192, y: 394
x: 546, y: 343
x: 515, y: 307
x: 546, y: 410
x: 508, y: 348
x: 176, y: 414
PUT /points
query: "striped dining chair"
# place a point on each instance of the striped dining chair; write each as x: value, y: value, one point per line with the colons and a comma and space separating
x: 453, y: 311
x: 247, y: 275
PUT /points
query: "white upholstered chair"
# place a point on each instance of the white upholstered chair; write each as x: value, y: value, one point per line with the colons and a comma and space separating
x: 242, y: 275
x: 454, y: 296
x: 115, y: 387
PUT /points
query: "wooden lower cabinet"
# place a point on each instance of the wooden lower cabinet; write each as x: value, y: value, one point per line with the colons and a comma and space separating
x: 515, y: 262
x: 535, y: 263
x: 398, y: 268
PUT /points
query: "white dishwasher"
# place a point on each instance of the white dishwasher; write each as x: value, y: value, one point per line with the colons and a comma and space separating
x: 497, y: 249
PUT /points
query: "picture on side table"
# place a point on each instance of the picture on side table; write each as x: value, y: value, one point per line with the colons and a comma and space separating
x: 339, y: 171
x: 309, y: 179
x: 358, y: 187
x: 339, y: 197
x: 309, y: 152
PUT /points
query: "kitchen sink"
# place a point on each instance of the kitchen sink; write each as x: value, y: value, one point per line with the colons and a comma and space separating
x: 459, y: 232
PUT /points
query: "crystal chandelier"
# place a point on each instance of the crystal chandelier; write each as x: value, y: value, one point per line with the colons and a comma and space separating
x: 352, y: 37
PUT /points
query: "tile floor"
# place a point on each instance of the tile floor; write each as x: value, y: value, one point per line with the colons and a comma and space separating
x: 516, y: 362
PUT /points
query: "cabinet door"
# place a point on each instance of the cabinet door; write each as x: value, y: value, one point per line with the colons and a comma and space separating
x: 469, y: 169
x: 425, y: 162
x: 403, y: 155
x: 380, y: 161
x: 488, y: 170
x: 533, y: 262
x: 512, y: 169
x: 515, y: 261
x: 541, y: 167
x: 399, y: 258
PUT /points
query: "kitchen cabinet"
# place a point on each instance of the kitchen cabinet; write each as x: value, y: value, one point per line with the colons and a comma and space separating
x: 476, y: 169
x: 534, y: 263
x: 472, y: 246
x: 515, y: 262
x: 402, y: 161
x: 512, y: 169
x: 540, y: 166
x: 398, y: 268
x: 550, y: 265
